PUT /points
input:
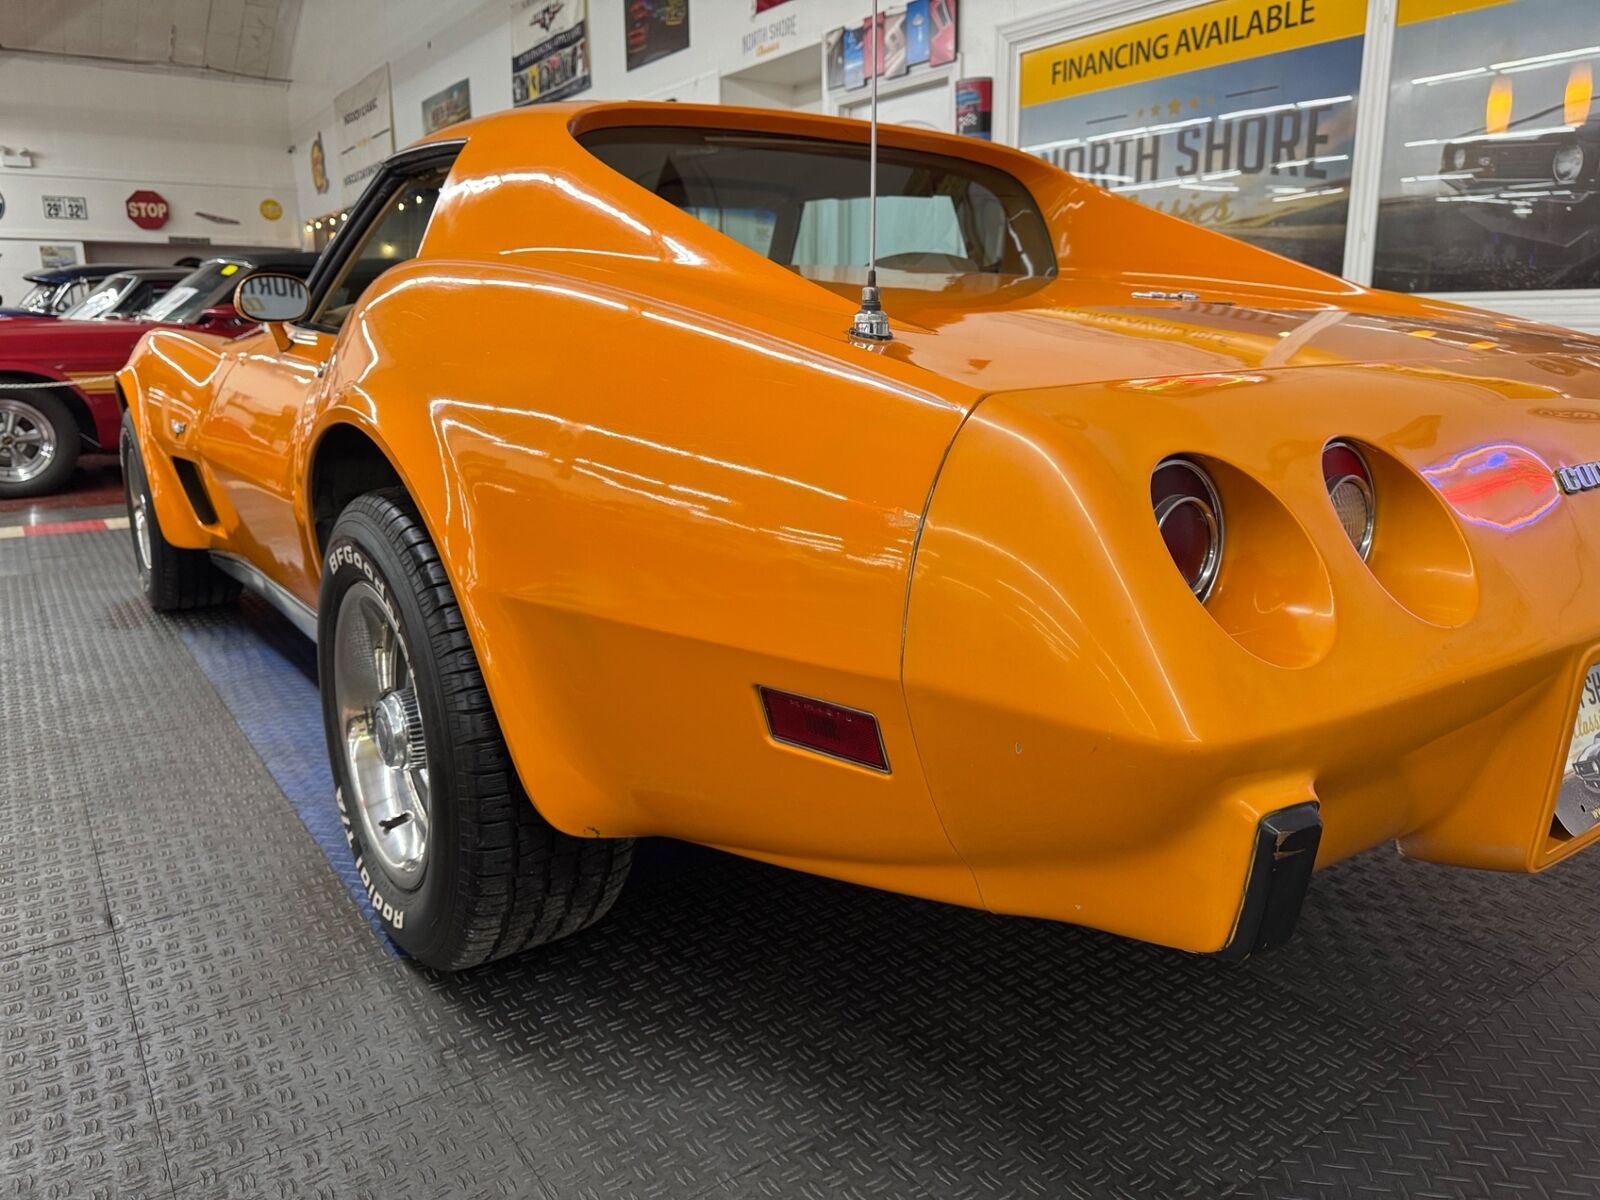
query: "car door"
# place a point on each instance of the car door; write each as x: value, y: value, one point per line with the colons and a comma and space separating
x: 246, y: 439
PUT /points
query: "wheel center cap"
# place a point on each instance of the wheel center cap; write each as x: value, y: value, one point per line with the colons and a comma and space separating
x: 397, y: 729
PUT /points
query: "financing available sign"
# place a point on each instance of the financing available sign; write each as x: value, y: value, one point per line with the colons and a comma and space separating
x: 1239, y: 115
x: 363, y: 130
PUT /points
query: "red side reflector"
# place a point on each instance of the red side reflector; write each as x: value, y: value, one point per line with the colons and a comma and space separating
x: 829, y: 729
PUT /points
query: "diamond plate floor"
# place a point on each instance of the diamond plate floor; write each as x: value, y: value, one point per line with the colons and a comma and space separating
x: 193, y: 1006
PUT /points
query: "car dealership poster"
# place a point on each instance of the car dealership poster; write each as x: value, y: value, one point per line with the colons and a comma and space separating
x: 364, y: 132
x: 1491, y: 165
x: 549, y: 50
x: 447, y: 107
x: 656, y: 28
x: 1239, y: 115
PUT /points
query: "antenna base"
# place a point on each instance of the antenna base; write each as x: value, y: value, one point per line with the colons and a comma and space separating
x: 871, y: 322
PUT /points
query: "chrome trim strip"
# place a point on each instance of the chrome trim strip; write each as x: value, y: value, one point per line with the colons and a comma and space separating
x: 299, y: 615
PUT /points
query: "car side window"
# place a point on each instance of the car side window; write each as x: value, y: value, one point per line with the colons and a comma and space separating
x: 393, y: 238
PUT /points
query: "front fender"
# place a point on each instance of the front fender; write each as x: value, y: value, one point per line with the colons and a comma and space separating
x: 169, y: 382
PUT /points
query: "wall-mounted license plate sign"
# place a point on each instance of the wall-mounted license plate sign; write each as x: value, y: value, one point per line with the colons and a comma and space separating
x: 66, y: 208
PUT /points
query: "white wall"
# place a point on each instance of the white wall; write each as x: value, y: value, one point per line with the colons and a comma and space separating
x: 430, y: 44
x: 103, y: 132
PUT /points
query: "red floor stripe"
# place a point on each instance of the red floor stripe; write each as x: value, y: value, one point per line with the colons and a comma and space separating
x: 95, y: 526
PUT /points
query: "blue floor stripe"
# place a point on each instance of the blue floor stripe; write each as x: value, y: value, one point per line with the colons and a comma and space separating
x: 266, y: 673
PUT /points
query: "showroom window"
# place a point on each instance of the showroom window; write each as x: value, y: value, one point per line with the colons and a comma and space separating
x: 1238, y: 117
x: 1467, y: 165
x: 1491, y: 156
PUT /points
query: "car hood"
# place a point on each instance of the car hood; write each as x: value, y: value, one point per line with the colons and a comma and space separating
x: 1060, y: 334
x: 59, y: 343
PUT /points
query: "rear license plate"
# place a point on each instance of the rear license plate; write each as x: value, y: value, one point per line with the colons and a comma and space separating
x: 1578, y: 802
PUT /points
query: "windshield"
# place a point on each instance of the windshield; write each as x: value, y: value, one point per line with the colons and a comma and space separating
x: 38, y: 298
x: 802, y: 202
x: 100, y: 301
x: 209, y: 283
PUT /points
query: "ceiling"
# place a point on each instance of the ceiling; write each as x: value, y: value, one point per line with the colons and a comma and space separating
x: 250, y: 38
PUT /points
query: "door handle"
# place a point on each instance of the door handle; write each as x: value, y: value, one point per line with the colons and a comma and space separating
x: 322, y: 368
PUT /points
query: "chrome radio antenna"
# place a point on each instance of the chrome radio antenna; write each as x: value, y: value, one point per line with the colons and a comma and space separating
x: 872, y: 322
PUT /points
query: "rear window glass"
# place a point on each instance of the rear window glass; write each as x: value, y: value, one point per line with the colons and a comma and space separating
x: 802, y: 202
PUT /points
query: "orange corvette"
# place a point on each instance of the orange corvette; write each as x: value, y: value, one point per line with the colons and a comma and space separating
x: 1138, y: 572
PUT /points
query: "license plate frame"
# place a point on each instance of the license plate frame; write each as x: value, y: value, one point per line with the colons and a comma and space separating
x: 1577, y: 806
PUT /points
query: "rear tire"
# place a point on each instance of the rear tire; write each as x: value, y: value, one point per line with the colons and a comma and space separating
x: 458, y: 864
x: 171, y: 578
x: 39, y: 443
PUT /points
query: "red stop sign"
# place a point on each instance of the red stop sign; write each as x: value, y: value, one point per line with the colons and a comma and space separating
x: 148, y: 210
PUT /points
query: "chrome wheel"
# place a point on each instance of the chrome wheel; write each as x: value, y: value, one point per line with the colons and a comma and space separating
x: 27, y: 442
x: 141, y: 531
x: 385, y: 752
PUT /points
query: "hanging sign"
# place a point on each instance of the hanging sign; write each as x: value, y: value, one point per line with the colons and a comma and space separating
x: 364, y: 128
x: 549, y: 50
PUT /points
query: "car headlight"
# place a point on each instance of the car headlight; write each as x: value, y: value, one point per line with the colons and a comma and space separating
x: 1189, y: 517
x: 1349, y: 483
x: 1455, y: 158
x: 1568, y: 164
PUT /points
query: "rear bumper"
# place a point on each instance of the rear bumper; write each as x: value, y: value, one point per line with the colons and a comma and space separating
x: 1104, y: 750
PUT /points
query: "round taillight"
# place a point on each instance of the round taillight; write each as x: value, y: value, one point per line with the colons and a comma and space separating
x: 1350, y: 489
x: 1189, y: 516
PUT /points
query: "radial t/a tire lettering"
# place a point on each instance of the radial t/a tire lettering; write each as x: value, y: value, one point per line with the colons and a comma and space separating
x: 458, y: 864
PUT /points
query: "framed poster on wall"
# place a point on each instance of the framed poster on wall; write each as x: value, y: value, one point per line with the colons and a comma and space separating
x: 656, y: 28
x: 447, y: 107
x: 549, y: 50
x: 1239, y: 115
x: 1491, y: 153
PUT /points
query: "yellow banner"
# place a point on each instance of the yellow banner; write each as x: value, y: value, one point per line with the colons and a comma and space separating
x: 1412, y: 11
x: 1210, y: 35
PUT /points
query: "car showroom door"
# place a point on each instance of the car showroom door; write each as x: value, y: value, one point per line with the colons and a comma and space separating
x: 247, y: 437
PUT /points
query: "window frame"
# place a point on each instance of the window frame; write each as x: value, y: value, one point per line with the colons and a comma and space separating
x: 398, y: 171
x: 1577, y: 308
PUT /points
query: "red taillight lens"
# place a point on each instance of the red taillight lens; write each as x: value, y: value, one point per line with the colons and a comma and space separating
x: 1189, y: 516
x: 1350, y: 489
x: 831, y: 729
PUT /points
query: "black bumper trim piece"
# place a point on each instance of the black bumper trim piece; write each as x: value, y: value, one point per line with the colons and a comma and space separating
x: 1280, y: 872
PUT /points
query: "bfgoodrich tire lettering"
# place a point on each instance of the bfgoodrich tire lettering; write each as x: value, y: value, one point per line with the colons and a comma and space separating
x: 494, y: 877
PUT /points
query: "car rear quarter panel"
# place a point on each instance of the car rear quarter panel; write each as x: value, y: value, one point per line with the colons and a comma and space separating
x: 1101, y: 746
x: 647, y: 510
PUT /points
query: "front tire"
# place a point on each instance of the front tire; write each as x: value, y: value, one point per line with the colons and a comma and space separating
x: 171, y: 578
x: 458, y: 864
x: 39, y: 443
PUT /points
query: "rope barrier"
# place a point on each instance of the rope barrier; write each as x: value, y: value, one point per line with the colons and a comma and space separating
x: 34, y: 385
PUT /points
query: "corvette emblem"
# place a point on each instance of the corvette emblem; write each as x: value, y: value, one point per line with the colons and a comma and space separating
x: 1580, y: 478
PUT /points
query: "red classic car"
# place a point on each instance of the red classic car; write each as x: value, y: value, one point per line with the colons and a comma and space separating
x: 57, y: 396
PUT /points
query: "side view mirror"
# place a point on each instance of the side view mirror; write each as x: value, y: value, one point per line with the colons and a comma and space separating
x: 274, y: 299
